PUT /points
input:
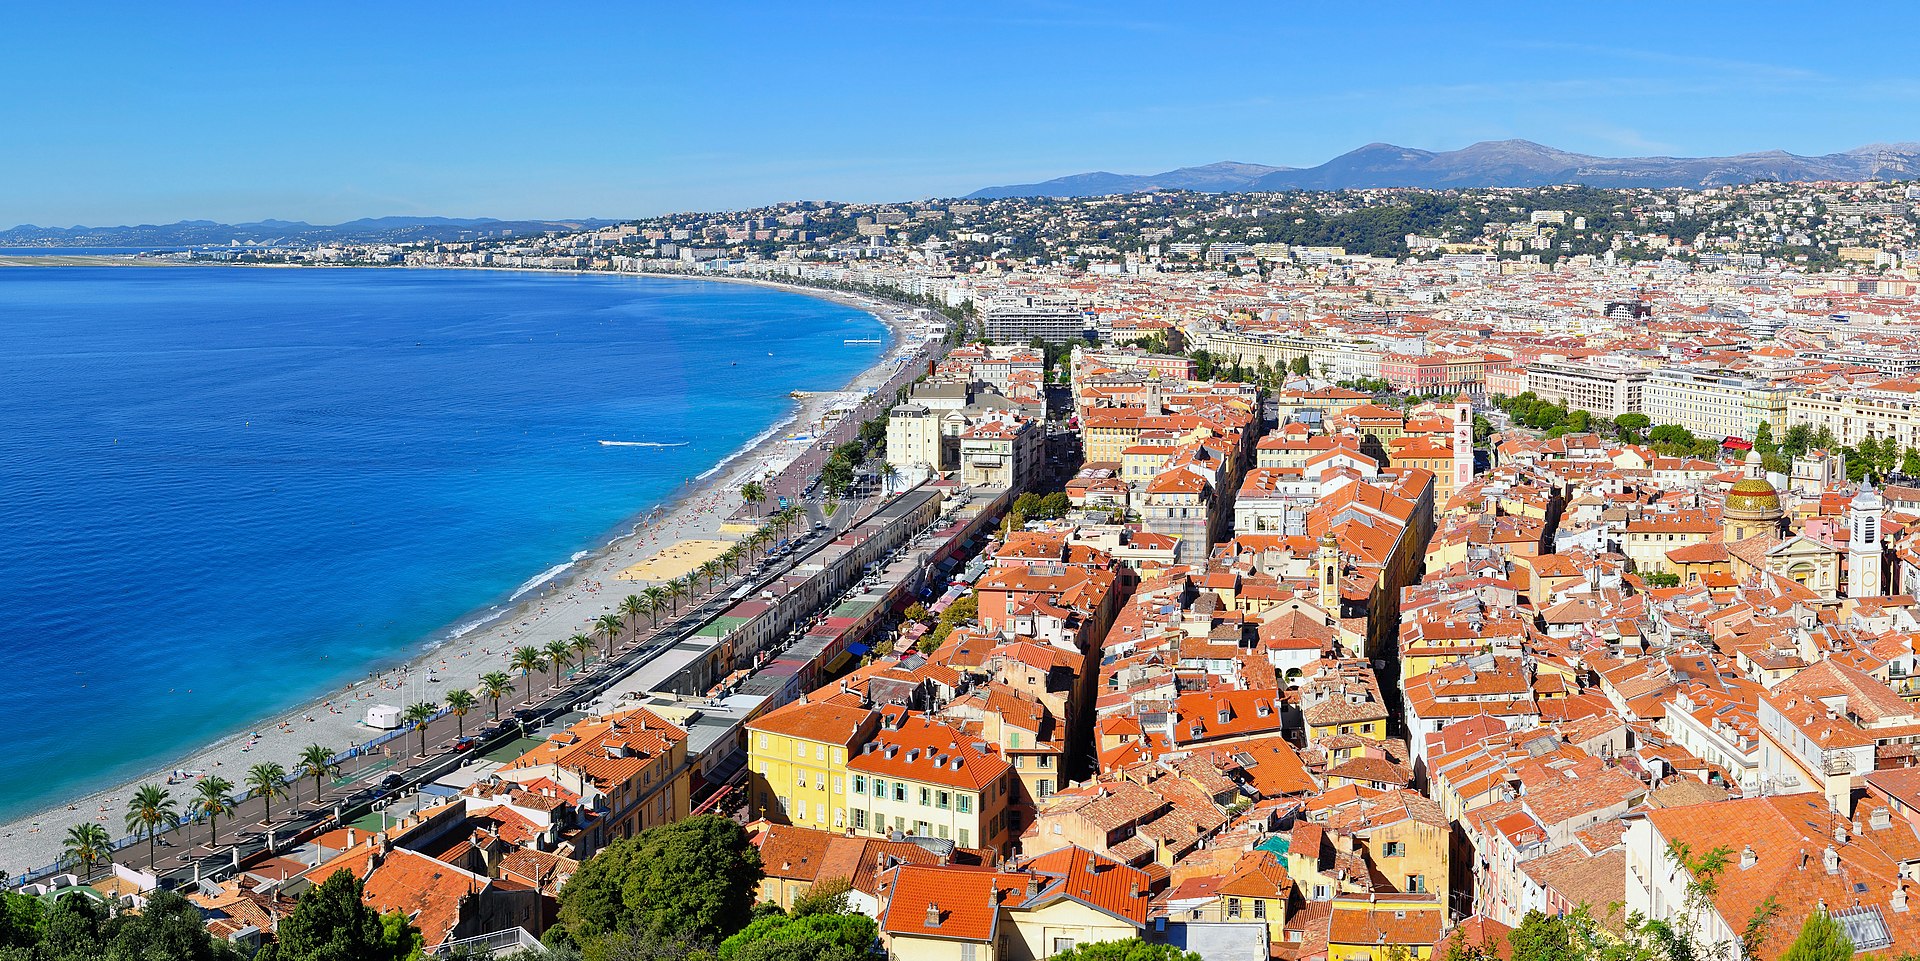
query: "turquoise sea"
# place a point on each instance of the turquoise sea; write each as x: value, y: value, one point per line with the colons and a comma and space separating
x: 225, y: 491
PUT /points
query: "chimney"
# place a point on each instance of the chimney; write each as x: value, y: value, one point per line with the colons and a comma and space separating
x: 1880, y: 819
x: 1831, y: 859
x: 933, y: 914
x: 1033, y: 887
x: 1748, y: 858
x: 351, y: 839
x: 1899, y: 899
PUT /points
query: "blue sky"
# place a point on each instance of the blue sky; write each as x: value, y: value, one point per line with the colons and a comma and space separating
x: 242, y: 111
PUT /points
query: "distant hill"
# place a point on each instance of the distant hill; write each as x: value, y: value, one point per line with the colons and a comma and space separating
x: 1221, y: 177
x: 196, y: 232
x: 1493, y: 163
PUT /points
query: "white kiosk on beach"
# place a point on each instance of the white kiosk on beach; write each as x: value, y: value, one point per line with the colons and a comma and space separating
x: 386, y: 717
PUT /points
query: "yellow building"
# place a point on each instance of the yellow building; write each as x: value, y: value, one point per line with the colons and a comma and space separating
x: 1258, y: 889
x: 1369, y: 927
x: 797, y: 759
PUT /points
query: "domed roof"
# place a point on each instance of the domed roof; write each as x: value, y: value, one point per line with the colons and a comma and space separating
x: 1753, y: 496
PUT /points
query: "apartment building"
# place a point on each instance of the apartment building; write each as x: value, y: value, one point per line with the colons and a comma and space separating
x: 1018, y: 320
x: 929, y: 780
x: 1714, y: 403
x: 631, y: 765
x: 1853, y: 414
x: 1606, y: 389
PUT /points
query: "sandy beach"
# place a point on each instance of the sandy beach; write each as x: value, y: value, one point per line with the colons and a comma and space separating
x: 563, y: 605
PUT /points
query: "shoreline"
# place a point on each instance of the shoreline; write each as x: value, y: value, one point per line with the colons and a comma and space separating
x: 555, y: 603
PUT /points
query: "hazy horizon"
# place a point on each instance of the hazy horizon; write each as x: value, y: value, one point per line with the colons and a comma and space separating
x: 142, y: 115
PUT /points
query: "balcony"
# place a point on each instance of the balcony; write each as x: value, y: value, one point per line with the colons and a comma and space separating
x: 1835, y: 764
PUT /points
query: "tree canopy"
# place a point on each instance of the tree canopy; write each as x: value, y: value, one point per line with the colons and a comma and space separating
x: 692, y: 881
x: 1131, y: 949
x: 333, y: 922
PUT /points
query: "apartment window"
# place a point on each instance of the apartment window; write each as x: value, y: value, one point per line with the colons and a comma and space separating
x: 965, y: 804
x: 900, y: 824
x: 923, y: 829
x: 800, y: 810
x: 899, y: 792
x: 1320, y: 892
x: 943, y: 832
x: 965, y: 841
x: 820, y: 752
x: 942, y: 800
x: 926, y: 797
x: 859, y: 784
x: 1061, y: 945
x: 966, y: 952
x: 1046, y: 761
x: 1233, y: 907
x: 859, y: 820
x: 839, y: 785
x: 763, y: 742
x: 879, y: 787
x: 1044, y: 787
x: 1260, y: 908
x: 1417, y: 883
x: 1396, y: 849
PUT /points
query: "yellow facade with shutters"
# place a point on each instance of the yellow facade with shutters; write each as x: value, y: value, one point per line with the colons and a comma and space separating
x: 798, y: 779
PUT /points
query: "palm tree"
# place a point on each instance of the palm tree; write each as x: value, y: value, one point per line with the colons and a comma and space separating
x: 150, y: 809
x: 420, y: 714
x: 526, y: 660
x: 495, y: 686
x: 559, y: 654
x: 731, y: 558
x: 210, y: 798
x: 676, y: 589
x: 460, y: 701
x: 269, y: 781
x: 753, y: 492
x: 582, y: 645
x: 656, y: 598
x: 710, y: 572
x: 88, y: 842
x: 608, y: 626
x: 316, y: 761
x: 890, y: 475
x: 631, y: 608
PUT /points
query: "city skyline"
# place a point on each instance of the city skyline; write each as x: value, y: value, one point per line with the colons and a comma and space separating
x: 156, y: 118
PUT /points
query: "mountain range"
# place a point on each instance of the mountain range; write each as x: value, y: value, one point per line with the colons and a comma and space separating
x: 196, y: 232
x: 1491, y: 163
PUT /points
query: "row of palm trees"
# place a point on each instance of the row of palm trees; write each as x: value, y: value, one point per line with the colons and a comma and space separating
x: 653, y: 602
x: 153, y: 810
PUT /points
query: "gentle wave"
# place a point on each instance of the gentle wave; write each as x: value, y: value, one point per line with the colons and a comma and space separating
x: 641, y: 443
x: 541, y: 578
x: 752, y: 443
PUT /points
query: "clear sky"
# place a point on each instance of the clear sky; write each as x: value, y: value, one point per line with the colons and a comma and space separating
x: 154, y: 112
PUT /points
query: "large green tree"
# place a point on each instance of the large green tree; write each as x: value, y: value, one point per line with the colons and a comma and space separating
x: 815, y: 937
x: 333, y: 923
x: 692, y: 881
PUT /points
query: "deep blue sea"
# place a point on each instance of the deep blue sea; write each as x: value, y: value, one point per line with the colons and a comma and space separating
x: 258, y: 484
